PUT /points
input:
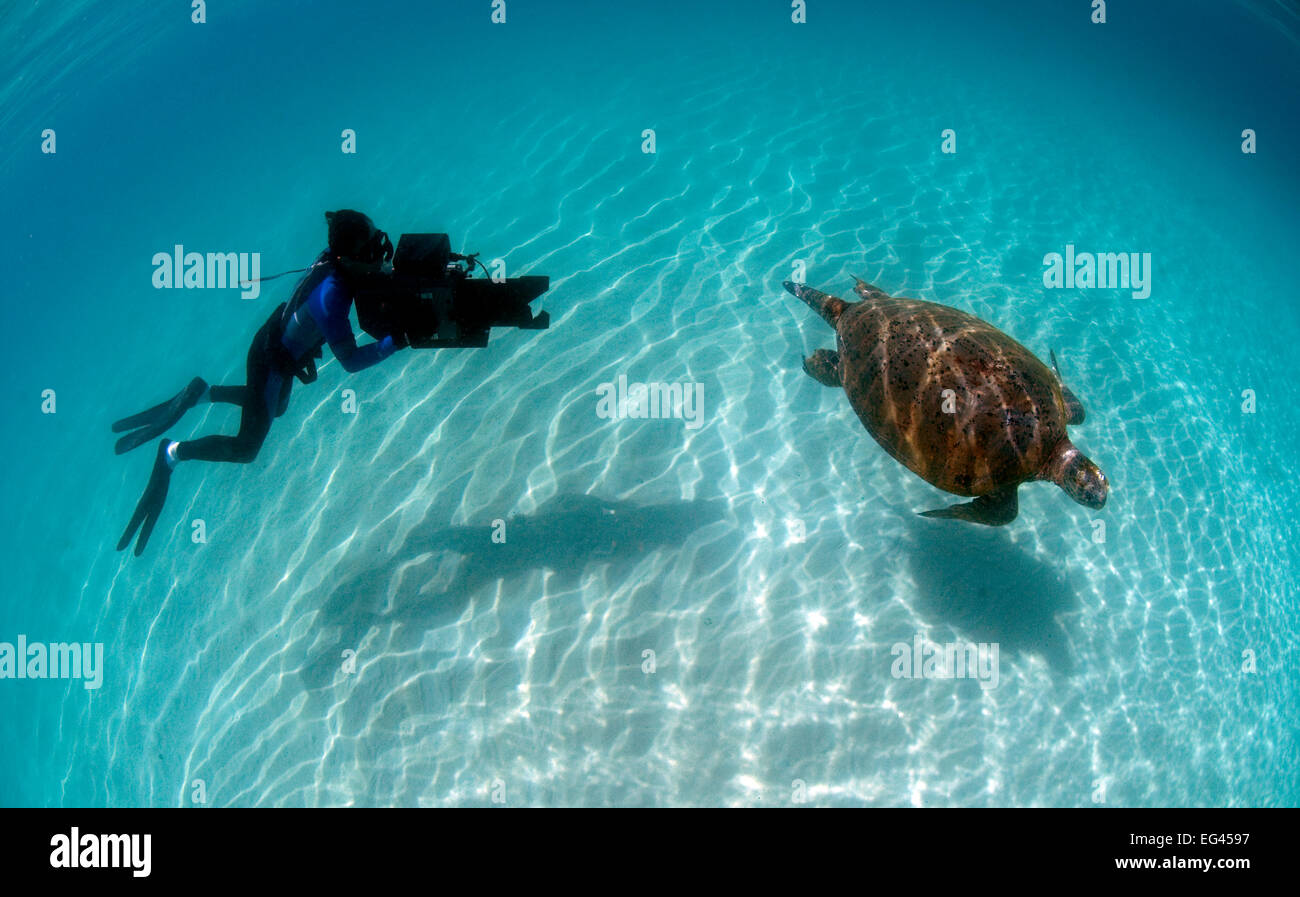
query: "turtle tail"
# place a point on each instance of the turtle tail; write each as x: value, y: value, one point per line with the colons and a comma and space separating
x: 828, y: 306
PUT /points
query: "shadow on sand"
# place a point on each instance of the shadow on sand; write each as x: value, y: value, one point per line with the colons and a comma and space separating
x: 989, y: 590
x: 566, y: 535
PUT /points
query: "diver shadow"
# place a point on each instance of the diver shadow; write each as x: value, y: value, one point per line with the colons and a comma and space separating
x: 429, y: 581
x: 974, y: 579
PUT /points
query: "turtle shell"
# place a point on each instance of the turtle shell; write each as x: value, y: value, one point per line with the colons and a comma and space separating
x: 997, y: 427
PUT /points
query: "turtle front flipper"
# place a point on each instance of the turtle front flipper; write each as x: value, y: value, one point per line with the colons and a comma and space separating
x: 824, y: 367
x: 1074, y: 413
x: 996, y: 508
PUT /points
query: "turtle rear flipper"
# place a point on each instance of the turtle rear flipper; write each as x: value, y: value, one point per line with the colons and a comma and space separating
x: 824, y: 367
x: 867, y: 291
x: 828, y: 306
x: 1074, y: 413
x: 996, y: 508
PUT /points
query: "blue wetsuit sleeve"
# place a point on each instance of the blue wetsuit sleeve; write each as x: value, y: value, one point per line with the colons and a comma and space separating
x: 329, y: 305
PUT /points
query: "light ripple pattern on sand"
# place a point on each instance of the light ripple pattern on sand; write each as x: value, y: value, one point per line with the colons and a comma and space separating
x: 474, y: 679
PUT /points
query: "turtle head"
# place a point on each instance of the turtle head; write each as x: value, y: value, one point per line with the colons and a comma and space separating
x: 1074, y: 472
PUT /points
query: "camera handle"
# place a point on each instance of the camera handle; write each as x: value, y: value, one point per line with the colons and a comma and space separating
x: 470, y: 261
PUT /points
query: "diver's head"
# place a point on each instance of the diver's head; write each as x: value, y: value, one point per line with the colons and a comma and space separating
x: 356, y: 246
x: 1082, y: 480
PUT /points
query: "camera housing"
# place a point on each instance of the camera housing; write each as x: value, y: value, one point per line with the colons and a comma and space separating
x: 431, y: 298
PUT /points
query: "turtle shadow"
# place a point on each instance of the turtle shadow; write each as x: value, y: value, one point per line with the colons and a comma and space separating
x: 428, y: 582
x: 990, y: 590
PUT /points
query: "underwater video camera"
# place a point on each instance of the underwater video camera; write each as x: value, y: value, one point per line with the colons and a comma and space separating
x: 431, y: 297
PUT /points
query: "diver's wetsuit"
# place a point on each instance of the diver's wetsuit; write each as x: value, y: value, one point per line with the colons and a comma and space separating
x: 287, y: 346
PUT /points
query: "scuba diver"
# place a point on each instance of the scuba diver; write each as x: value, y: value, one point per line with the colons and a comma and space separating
x: 286, y: 346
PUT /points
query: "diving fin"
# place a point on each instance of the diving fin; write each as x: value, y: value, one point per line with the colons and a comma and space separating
x: 151, y: 503
x: 154, y: 422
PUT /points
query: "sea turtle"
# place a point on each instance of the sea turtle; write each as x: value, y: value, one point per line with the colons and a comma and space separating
x: 957, y: 401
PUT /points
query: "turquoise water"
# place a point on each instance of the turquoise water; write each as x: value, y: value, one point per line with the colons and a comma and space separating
x: 516, y: 673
